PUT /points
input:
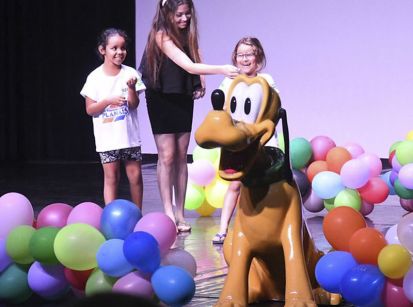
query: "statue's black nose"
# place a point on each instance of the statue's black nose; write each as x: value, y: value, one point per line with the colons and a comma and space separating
x: 218, y: 99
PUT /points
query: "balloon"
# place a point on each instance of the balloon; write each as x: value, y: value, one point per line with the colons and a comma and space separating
x: 76, y: 246
x: 374, y: 163
x: 320, y: 146
x: 408, y: 285
x: 326, y: 185
x: 349, y: 198
x: 366, y: 208
x: 111, y: 260
x: 13, y: 285
x: 365, y: 245
x: 386, y: 178
x: 405, y: 231
x: 142, y: 251
x: 375, y: 191
x: 15, y: 210
x: 409, y: 135
x: 406, y: 176
x: 407, y: 204
x: 205, y: 209
x: 329, y: 204
x: 362, y: 284
x: 41, y: 245
x: 118, y: 219
x: 99, y: 282
x: 316, y: 167
x: 210, y: 155
x: 331, y: 268
x: 355, y: 173
x: 336, y: 157
x: 77, y: 279
x: 340, y: 224
x: 391, y: 235
x: 303, y: 184
x: 313, y: 203
x: 161, y: 227
x: 401, y: 191
x: 404, y: 152
x: 396, y: 165
x: 393, y: 296
x: 215, y: 192
x: 173, y: 285
x: 54, y: 215
x: 300, y: 152
x: 86, y: 213
x: 201, y: 172
x: 354, y: 149
x: 194, y: 197
x: 134, y: 283
x: 5, y: 259
x: 47, y: 280
x: 394, y: 261
x: 180, y: 258
x: 17, y: 244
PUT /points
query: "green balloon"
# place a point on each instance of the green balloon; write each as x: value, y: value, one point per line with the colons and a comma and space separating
x: 329, y: 204
x: 42, y: 245
x: 401, y: 191
x: 99, y: 282
x: 394, y: 146
x: 76, y: 245
x: 348, y: 198
x: 211, y: 155
x: 195, y: 196
x: 14, y: 286
x: 404, y: 152
x: 300, y: 152
x: 17, y: 244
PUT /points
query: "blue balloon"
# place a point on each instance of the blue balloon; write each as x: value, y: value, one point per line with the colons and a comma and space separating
x: 111, y: 260
x: 363, y: 284
x: 142, y: 251
x: 173, y: 285
x: 331, y: 268
x: 386, y: 178
x: 327, y: 184
x: 14, y: 287
x: 119, y: 218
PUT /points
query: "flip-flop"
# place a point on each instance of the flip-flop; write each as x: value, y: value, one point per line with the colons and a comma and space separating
x: 183, y: 227
x: 219, y: 238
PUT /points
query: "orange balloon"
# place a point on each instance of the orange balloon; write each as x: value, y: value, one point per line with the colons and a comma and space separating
x: 336, y: 157
x: 365, y: 245
x: 340, y: 224
x: 316, y: 167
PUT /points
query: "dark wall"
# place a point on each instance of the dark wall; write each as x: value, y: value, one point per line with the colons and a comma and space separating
x: 47, y: 49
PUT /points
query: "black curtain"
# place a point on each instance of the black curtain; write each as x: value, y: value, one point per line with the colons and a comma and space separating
x: 47, y: 50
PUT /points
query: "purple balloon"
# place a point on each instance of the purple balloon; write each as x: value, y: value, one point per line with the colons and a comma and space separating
x: 134, y: 283
x: 313, y: 203
x: 320, y: 146
x: 355, y: 173
x: 406, y: 176
x: 5, y: 259
x: 395, y: 164
x: 54, y: 215
x: 374, y: 163
x: 86, y: 213
x: 181, y: 258
x: 407, y: 204
x: 366, y: 208
x: 48, y: 281
x: 393, y: 176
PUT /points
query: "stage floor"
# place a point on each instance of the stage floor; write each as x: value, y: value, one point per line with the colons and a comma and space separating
x: 46, y: 183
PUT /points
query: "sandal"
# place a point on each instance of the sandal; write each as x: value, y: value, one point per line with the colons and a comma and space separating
x: 219, y: 238
x: 183, y: 227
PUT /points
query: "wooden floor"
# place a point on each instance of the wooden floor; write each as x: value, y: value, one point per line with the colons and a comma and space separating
x: 46, y: 183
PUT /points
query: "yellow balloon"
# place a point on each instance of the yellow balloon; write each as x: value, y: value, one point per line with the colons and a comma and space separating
x: 205, y: 209
x: 215, y: 192
x: 409, y: 135
x: 394, y: 261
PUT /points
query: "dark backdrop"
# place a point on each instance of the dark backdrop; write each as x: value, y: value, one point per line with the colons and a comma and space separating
x: 47, y: 49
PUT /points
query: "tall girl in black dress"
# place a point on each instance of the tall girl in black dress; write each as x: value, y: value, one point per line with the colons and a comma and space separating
x: 172, y: 73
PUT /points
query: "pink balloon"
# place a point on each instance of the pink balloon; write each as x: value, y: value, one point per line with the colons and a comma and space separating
x: 181, y: 258
x: 354, y: 149
x: 320, y: 146
x: 201, y: 172
x: 15, y: 210
x: 366, y: 208
x: 355, y: 173
x: 159, y: 225
x: 373, y: 162
x: 134, y: 283
x: 86, y: 213
x: 391, y: 235
x: 408, y: 284
x: 406, y: 175
x: 393, y: 296
x: 54, y: 215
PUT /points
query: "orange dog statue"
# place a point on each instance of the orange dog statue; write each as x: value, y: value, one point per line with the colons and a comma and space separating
x: 271, y: 250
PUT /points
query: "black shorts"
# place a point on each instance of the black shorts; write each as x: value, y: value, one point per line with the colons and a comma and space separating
x: 131, y: 154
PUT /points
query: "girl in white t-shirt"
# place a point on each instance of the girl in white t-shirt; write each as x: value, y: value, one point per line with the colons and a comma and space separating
x: 249, y: 57
x: 111, y: 93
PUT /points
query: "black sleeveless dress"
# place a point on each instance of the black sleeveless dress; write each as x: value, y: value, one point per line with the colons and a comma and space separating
x: 169, y: 102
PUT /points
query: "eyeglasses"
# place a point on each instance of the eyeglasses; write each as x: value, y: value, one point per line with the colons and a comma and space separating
x: 246, y: 55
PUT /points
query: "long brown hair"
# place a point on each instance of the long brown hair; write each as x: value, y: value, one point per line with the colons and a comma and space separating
x: 183, y: 39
